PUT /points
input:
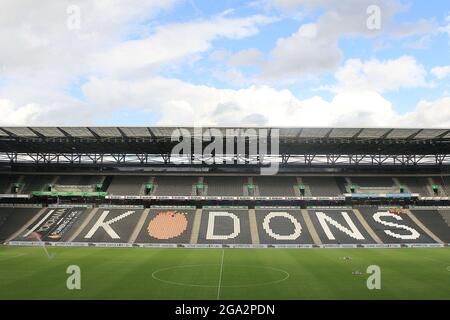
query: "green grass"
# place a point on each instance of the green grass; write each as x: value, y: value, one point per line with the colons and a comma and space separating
x: 126, y: 273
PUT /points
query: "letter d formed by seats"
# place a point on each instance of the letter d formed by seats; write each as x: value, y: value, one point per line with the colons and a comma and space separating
x: 74, y: 280
x: 374, y: 281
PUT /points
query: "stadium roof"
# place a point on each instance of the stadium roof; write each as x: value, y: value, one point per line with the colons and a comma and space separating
x: 165, y: 132
x: 157, y: 140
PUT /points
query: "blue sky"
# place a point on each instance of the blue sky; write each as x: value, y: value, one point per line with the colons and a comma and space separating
x: 261, y: 62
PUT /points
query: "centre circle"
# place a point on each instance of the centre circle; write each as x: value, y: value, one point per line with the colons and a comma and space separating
x: 207, y: 275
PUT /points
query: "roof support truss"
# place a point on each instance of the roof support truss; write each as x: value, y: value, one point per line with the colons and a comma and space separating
x: 332, y: 160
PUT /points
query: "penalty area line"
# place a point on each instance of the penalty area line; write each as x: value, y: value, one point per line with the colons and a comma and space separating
x: 220, y: 275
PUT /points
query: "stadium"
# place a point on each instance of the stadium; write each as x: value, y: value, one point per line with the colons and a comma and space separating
x: 142, y: 220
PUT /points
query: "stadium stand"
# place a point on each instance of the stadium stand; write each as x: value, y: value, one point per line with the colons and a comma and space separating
x: 371, y: 185
x: 275, y: 186
x: 224, y: 226
x: 225, y: 186
x: 174, y: 185
x: 110, y: 225
x: 5, y: 183
x: 445, y: 180
x: 282, y: 226
x: 78, y: 180
x: 147, y: 195
x: 437, y: 186
x: 167, y: 225
x: 54, y: 224
x: 128, y: 185
x: 227, y: 225
x: 37, y: 183
x: 445, y: 215
x: 393, y: 228
x: 373, y: 182
x: 416, y: 185
x: 74, y: 183
x: 323, y: 186
x: 12, y: 219
x: 336, y: 226
x: 434, y: 221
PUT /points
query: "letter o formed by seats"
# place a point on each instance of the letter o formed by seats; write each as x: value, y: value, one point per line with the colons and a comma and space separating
x: 293, y: 236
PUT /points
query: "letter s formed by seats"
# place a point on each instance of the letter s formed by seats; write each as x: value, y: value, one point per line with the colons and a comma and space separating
x: 413, y: 233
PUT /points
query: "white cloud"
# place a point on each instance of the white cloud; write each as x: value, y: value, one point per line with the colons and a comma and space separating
x: 421, y: 43
x: 34, y: 38
x: 430, y: 114
x: 302, y: 53
x: 180, y: 103
x: 42, y: 62
x: 420, y: 27
x: 11, y: 114
x: 381, y: 76
x: 441, y: 72
x: 233, y: 76
x: 34, y: 34
x: 314, y: 47
x: 446, y: 28
x: 417, y: 35
x: 329, y: 4
x: 40, y: 57
x: 219, y: 55
x: 247, y: 57
x: 176, y: 41
x: 175, y: 102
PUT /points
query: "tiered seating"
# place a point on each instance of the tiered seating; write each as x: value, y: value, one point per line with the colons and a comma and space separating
x: 416, y: 185
x: 36, y: 183
x: 274, y: 225
x: 174, y: 185
x: 224, y: 226
x: 5, y: 183
x: 225, y: 186
x: 127, y: 185
x: 395, y: 228
x: 339, y: 227
x: 434, y: 221
x: 373, y: 185
x: 12, y: 219
x: 445, y: 215
x: 445, y: 183
x: 120, y: 225
x: 74, y: 183
x: 323, y: 186
x: 168, y: 225
x: 276, y: 186
x: 282, y: 186
x: 54, y: 224
x: 282, y: 226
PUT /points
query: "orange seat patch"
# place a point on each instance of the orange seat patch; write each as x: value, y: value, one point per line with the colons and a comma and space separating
x: 167, y: 225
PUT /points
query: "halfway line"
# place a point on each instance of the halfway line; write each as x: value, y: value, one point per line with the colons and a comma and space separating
x: 220, y: 275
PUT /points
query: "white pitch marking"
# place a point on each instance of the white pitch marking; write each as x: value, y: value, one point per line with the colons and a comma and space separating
x: 4, y: 258
x: 286, y: 276
x: 220, y: 276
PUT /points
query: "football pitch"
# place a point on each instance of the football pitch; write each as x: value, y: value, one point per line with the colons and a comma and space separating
x: 137, y: 273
